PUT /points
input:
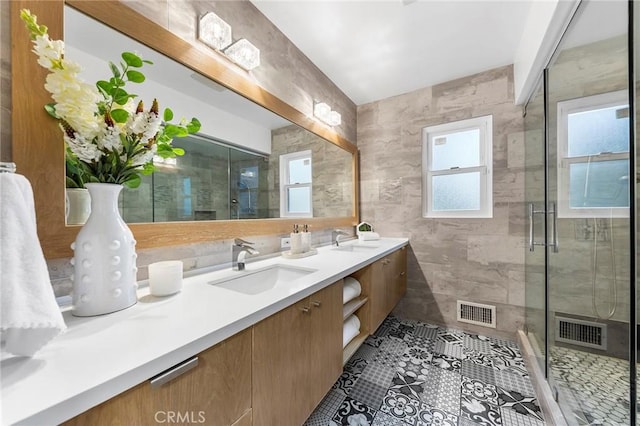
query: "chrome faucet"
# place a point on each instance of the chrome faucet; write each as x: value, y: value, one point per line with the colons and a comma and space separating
x: 335, y: 236
x: 239, y: 251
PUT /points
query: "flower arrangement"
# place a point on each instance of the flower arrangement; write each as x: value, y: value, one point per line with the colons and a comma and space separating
x: 109, y: 138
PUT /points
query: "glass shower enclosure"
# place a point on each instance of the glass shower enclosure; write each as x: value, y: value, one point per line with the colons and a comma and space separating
x: 580, y: 274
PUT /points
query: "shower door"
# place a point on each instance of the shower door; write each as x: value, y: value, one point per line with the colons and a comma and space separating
x: 587, y: 217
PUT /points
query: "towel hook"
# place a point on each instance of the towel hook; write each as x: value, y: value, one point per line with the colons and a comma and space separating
x: 7, y: 167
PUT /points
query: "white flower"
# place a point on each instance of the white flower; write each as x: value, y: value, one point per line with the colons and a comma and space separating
x: 110, y: 139
x: 50, y: 52
x: 145, y: 124
x: 144, y: 157
x: 85, y: 150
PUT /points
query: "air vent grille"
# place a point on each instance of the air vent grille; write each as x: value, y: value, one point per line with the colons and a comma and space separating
x: 476, y: 313
x: 581, y: 333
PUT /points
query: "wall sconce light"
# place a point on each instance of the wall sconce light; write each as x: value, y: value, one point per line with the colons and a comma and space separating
x: 323, y: 112
x: 243, y: 53
x: 216, y: 33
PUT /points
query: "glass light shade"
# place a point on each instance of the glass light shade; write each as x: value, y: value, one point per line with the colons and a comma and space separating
x: 214, y: 32
x: 335, y: 119
x: 243, y: 53
x: 322, y: 111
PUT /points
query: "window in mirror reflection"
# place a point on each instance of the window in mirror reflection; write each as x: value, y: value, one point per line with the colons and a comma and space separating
x: 296, y: 184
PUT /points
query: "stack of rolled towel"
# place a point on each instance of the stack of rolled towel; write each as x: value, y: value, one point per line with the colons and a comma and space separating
x: 351, y: 327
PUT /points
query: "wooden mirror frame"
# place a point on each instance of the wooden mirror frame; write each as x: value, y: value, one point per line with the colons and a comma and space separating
x: 38, y: 151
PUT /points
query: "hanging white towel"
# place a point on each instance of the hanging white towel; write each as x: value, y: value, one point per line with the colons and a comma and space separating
x: 350, y: 329
x: 30, y: 316
x: 351, y: 289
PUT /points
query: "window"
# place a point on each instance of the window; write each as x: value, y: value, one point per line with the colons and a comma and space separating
x: 457, y: 178
x: 295, y: 185
x: 593, y: 156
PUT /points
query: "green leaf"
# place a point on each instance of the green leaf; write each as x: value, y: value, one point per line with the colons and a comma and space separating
x: 148, y: 168
x: 105, y: 86
x: 193, y: 126
x: 133, y: 181
x: 70, y: 183
x: 120, y: 96
x: 132, y: 59
x: 146, y: 61
x: 119, y: 115
x: 168, y: 114
x: 135, y: 76
x: 114, y: 69
x: 178, y: 151
x: 51, y: 110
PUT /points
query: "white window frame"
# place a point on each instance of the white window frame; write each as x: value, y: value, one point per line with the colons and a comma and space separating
x: 285, y: 160
x: 485, y: 126
x: 564, y: 162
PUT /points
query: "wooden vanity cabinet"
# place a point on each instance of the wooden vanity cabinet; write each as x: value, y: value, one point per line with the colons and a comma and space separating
x: 297, y: 357
x: 217, y: 391
x: 388, y: 285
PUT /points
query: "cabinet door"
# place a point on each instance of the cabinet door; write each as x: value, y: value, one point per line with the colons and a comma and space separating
x: 379, y: 296
x: 326, y: 341
x: 217, y: 391
x: 280, y: 367
x: 398, y: 271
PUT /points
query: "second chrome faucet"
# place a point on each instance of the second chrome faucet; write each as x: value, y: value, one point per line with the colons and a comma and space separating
x: 239, y: 252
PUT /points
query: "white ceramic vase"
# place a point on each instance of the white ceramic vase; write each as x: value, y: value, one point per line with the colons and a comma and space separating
x: 104, y: 260
x: 78, y: 205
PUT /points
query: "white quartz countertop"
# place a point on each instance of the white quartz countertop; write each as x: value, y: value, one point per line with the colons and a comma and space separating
x: 100, y: 357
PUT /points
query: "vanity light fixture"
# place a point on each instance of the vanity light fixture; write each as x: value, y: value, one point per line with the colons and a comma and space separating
x: 165, y: 162
x: 214, y: 32
x: 323, y: 112
x: 243, y: 53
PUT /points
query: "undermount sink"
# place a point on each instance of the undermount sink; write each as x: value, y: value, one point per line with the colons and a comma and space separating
x: 355, y: 247
x: 263, y: 279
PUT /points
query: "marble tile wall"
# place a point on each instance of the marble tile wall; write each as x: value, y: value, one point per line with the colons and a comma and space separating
x: 479, y: 260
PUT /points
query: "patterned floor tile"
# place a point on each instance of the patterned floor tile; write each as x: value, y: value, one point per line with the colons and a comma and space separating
x: 479, y: 390
x: 379, y: 374
x: 345, y: 382
x: 407, y: 385
x: 327, y: 409
x: 401, y: 407
x: 413, y: 369
x: 449, y: 349
x: 411, y: 373
x: 366, y: 352
x: 515, y: 401
x: 368, y: 393
x: 442, y: 389
x: 512, y: 418
x: 516, y: 382
x: 480, y: 372
x: 480, y: 412
x: 477, y: 343
x: 353, y: 412
x: 446, y: 362
x: 384, y: 419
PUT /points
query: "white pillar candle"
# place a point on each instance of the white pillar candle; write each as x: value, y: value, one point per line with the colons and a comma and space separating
x: 165, y: 278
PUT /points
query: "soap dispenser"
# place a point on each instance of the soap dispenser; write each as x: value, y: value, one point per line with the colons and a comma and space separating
x: 306, y: 238
x: 296, y: 240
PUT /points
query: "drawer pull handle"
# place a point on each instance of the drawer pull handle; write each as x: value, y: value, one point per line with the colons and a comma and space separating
x: 402, y: 273
x: 316, y: 304
x: 305, y: 310
x: 176, y: 371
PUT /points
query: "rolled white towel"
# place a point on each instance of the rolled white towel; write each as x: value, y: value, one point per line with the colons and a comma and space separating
x: 350, y: 330
x: 30, y: 316
x: 351, y: 289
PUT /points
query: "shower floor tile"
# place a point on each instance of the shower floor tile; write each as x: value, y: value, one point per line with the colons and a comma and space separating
x: 593, y: 389
x: 410, y: 373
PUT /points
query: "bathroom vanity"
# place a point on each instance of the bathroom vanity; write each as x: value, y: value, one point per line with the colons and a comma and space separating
x: 211, y: 354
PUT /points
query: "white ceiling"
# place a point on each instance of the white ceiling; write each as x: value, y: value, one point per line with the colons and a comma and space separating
x: 380, y: 48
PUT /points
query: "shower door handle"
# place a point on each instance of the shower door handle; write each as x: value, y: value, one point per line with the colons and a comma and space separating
x: 554, y: 228
x: 532, y: 242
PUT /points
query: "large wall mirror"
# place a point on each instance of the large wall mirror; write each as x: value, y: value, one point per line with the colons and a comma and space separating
x: 233, y: 167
